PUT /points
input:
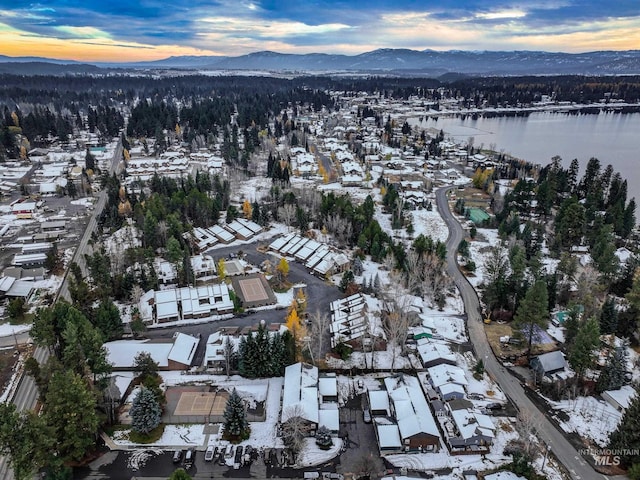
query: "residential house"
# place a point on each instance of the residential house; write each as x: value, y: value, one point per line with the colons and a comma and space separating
x: 416, y: 425
x: 548, y: 364
x: 174, y: 354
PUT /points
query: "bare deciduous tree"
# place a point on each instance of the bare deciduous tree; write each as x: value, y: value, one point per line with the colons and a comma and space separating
x: 136, y: 294
x: 396, y: 320
x: 287, y: 213
x: 294, y: 428
x: 318, y: 331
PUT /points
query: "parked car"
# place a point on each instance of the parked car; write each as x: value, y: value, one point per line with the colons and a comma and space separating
x: 366, y: 415
x: 237, y: 461
x: 476, y: 396
x: 210, y: 453
x: 177, y: 456
x: 494, y: 406
x: 229, y: 451
x: 189, y: 458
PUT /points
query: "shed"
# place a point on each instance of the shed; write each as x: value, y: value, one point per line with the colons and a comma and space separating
x: 548, y: 363
x: 619, y: 399
x: 388, y: 438
x: 379, y: 403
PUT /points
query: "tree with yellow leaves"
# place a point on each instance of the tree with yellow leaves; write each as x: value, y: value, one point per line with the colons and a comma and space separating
x: 300, y: 301
x: 15, y: 119
x: 282, y: 270
x: 222, y: 272
x: 126, y: 155
x: 323, y: 172
x: 247, y: 209
x: 297, y: 329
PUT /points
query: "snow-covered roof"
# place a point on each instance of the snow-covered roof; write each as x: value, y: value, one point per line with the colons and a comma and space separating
x: 300, y: 392
x: 388, y: 436
x: 443, y: 374
x: 184, y: 348
x: 328, y: 386
x: 431, y: 351
x: 412, y: 410
x: 450, y: 388
x: 471, y: 425
x: 329, y: 416
x: 121, y: 353
x: 622, y: 397
x: 239, y: 229
x: 379, y: 400
x: 503, y: 476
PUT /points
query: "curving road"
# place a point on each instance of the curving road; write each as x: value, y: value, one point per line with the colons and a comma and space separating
x: 575, y: 465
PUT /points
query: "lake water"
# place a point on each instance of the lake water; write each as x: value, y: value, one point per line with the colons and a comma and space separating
x: 613, y: 138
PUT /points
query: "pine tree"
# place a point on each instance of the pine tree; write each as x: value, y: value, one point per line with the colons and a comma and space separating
x: 236, y: 427
x: 533, y: 313
x: 627, y: 436
x: 581, y: 353
x: 145, y: 411
x: 358, y: 268
x: 612, y: 374
x: 608, y: 317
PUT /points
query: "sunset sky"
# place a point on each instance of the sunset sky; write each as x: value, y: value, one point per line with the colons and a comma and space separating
x: 120, y: 30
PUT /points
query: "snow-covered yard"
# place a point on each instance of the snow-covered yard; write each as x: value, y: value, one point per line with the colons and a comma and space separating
x: 589, y: 417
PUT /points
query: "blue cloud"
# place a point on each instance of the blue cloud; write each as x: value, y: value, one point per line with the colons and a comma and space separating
x: 157, y: 22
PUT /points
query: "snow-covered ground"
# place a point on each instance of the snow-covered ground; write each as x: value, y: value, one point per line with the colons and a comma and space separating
x: 6, y: 329
x: 434, y: 461
x: 589, y: 417
x: 478, y: 248
x: 429, y: 223
x: 263, y: 434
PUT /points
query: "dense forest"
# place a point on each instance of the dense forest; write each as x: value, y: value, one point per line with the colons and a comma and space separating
x: 50, y: 106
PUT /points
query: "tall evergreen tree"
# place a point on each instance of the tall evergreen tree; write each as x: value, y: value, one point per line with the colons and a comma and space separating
x: 582, y: 352
x: 25, y: 439
x: 145, y: 411
x: 236, y: 427
x: 70, y: 412
x: 533, y: 314
x: 612, y: 374
x: 608, y: 317
x: 627, y: 436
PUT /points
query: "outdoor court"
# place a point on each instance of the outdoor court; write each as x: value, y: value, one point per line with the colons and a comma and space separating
x: 253, y: 290
x: 201, y: 403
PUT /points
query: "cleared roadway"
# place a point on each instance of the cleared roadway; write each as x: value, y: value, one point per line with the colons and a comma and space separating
x: 549, y: 435
x: 26, y: 396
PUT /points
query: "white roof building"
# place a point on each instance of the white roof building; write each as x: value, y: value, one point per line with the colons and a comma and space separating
x: 443, y: 374
x: 176, y: 354
x: 412, y: 411
x: 300, y: 392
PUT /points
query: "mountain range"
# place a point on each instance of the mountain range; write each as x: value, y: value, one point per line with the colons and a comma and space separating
x: 402, y: 62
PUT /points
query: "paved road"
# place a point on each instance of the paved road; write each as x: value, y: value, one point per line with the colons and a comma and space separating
x: 26, y: 396
x: 319, y: 295
x: 577, y: 467
x: 78, y: 255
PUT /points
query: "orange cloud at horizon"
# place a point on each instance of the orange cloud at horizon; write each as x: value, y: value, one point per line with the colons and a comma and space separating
x: 16, y: 44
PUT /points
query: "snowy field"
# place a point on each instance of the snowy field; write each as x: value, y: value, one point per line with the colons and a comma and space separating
x: 429, y: 223
x: 478, y: 248
x: 589, y: 417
